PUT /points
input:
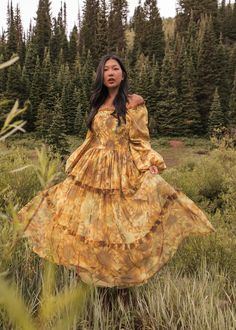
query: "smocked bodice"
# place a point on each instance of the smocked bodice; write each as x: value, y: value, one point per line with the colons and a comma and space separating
x: 107, y: 134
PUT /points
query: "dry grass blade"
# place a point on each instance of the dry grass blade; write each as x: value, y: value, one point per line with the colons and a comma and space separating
x: 68, y: 301
x: 46, y: 169
x: 19, y: 315
x: 8, y: 63
x: 20, y: 168
x: 13, y: 127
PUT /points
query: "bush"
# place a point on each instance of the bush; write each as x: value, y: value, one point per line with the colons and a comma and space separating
x: 19, y: 186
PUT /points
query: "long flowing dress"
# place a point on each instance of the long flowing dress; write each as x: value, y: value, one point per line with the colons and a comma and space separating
x: 111, y: 218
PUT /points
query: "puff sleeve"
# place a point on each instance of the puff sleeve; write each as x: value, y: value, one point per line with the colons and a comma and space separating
x: 77, y: 153
x: 139, y: 141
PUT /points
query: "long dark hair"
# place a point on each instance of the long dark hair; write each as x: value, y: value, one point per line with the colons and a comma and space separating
x: 100, y: 92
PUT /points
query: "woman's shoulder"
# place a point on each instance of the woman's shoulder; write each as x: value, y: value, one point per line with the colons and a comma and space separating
x: 134, y: 100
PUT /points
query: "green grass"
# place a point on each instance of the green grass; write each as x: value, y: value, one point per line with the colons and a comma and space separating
x: 195, y: 290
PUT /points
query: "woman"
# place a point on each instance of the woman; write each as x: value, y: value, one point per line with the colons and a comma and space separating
x: 114, y: 217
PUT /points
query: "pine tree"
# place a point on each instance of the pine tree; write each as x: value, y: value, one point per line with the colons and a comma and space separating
x: 102, y: 31
x: 50, y: 98
x: 62, y: 78
x: 222, y: 17
x: 45, y: 74
x: 117, y: 23
x: 143, y: 76
x: 87, y: 73
x: 76, y: 74
x: 42, y: 31
x: 56, y: 135
x: 153, y: 96
x: 2, y: 76
x: 222, y: 80
x: 189, y: 115
x: 58, y: 41
x: 216, y: 117
x: 40, y: 83
x: 35, y: 93
x: 19, y: 35
x: 232, y: 65
x: 155, y: 39
x: 3, y: 73
x: 198, y: 8
x: 84, y: 101
x: 42, y: 122
x: 191, y: 40
x: 69, y: 106
x: 55, y: 41
x: 88, y: 31
x: 11, y: 45
x: 146, y: 82
x: 168, y: 108
x: 79, y: 120
x: 73, y: 46
x: 206, y: 70
x: 14, y: 85
x: 138, y: 21
x: 28, y: 69
x: 232, y: 106
x: 232, y: 25
x: 149, y: 35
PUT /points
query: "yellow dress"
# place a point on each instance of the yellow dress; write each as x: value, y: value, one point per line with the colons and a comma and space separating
x: 111, y: 218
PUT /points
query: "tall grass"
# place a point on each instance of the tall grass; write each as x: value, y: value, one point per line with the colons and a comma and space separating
x: 196, y: 290
x: 56, y: 306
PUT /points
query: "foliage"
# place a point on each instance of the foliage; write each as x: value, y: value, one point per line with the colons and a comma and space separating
x: 9, y: 127
x: 56, y: 64
x: 202, y: 270
x: 223, y: 137
x: 57, y: 309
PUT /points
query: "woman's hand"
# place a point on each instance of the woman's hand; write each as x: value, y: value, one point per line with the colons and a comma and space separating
x: 153, y: 169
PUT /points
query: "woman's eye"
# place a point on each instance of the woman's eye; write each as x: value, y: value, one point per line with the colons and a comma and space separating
x: 113, y: 69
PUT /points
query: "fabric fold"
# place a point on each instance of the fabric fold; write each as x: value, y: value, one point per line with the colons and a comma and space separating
x: 107, y: 171
x: 143, y: 154
x: 77, y: 153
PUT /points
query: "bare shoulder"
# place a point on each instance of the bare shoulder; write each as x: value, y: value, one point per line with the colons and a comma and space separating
x: 134, y: 100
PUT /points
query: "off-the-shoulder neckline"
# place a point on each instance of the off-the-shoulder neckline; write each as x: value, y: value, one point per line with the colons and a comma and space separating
x: 129, y: 105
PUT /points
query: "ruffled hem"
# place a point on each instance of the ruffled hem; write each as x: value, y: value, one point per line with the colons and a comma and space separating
x: 113, y: 253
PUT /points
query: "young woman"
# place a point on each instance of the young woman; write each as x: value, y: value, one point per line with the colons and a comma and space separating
x: 114, y: 218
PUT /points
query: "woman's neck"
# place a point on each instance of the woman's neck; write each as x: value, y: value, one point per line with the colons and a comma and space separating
x: 110, y: 99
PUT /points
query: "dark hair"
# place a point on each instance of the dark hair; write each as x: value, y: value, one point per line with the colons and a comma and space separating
x: 100, y: 92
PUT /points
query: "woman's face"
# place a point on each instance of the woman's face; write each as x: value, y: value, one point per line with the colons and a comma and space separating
x: 113, y: 74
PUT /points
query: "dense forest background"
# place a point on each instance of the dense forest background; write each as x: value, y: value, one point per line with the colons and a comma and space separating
x: 185, y: 67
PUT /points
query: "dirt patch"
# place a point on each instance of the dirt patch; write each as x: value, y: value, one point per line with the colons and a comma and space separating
x: 176, y: 143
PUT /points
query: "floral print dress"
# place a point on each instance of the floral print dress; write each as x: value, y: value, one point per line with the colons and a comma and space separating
x: 111, y: 218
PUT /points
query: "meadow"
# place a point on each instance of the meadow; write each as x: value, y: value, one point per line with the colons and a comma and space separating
x: 195, y: 290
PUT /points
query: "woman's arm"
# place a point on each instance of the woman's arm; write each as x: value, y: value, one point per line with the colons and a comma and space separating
x: 143, y: 155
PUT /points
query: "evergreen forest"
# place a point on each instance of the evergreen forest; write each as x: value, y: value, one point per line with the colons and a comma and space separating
x: 184, y: 67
